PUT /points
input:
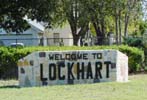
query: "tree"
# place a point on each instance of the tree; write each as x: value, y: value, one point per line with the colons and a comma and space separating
x: 99, y: 11
x: 125, y: 12
x: 74, y: 13
x: 132, y: 7
x: 118, y: 7
x: 78, y: 13
x: 12, y: 13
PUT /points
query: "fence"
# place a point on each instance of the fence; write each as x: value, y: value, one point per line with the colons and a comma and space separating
x: 58, y: 41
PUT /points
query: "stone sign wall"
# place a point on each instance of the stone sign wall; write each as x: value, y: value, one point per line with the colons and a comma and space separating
x: 71, y: 67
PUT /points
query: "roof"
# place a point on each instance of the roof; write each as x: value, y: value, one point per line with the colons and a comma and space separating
x: 36, y: 24
x: 33, y: 23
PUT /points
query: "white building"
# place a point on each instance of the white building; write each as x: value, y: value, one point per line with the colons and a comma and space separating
x: 37, y: 34
x: 59, y: 36
x: 29, y: 37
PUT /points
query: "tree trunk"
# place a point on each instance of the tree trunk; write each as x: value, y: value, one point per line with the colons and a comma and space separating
x: 99, y: 31
x: 74, y: 33
x: 116, y: 28
x: 120, y: 34
x: 103, y: 31
x: 75, y: 39
x: 126, y: 25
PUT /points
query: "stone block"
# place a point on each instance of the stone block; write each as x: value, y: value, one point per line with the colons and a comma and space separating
x: 72, y: 67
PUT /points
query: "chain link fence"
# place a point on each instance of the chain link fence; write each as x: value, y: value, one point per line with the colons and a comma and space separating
x: 57, y: 41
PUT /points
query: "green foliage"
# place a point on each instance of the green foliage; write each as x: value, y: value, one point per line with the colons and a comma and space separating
x: 139, y: 43
x: 10, y: 56
x: 12, y: 13
x: 105, y: 15
x: 135, y: 57
x: 142, y: 27
x: 134, y: 41
x: 8, y: 64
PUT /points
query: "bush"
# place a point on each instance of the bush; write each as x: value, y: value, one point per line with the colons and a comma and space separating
x: 137, y: 42
x: 135, y: 57
x: 10, y: 56
x: 134, y: 42
x: 7, y: 63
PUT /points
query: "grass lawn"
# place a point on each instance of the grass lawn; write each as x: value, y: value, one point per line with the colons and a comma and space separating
x: 136, y: 89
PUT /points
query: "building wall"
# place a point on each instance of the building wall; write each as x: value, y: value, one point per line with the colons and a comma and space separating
x: 64, y: 33
x: 29, y: 37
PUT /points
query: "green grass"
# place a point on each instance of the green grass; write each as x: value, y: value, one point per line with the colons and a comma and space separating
x: 135, y: 89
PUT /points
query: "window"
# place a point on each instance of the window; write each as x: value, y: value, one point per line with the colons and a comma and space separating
x: 56, y: 38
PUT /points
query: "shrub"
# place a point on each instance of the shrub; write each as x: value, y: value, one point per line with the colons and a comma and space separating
x: 7, y: 63
x: 135, y: 57
x: 134, y: 42
x: 10, y: 56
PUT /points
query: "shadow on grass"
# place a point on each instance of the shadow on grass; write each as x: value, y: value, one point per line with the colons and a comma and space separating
x: 10, y: 87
